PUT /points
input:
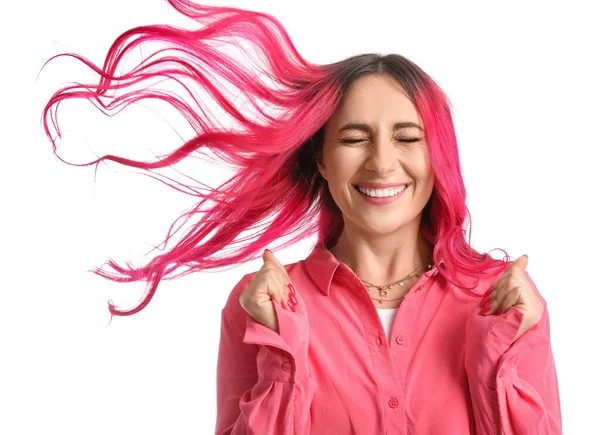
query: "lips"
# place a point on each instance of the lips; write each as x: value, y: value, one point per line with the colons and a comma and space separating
x: 382, y: 200
x: 380, y: 185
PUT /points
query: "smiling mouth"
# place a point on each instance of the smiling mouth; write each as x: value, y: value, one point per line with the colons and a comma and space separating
x: 382, y: 193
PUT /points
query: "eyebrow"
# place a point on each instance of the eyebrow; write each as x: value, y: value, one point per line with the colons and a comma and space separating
x: 367, y: 128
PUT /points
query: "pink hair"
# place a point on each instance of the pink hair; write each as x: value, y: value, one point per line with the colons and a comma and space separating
x: 274, y: 154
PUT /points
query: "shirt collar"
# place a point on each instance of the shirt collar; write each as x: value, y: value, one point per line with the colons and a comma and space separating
x: 321, y: 264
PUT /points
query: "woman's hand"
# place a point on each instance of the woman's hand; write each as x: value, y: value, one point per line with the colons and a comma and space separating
x: 270, y: 282
x: 513, y: 289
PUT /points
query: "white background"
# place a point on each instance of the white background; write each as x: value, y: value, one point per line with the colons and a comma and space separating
x: 523, y: 80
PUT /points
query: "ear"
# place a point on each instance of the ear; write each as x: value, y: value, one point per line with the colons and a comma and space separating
x: 321, y: 166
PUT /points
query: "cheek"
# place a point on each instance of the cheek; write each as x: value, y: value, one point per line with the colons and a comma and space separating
x: 420, y: 166
x: 341, y: 167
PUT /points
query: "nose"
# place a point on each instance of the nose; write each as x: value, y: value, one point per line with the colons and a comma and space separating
x: 382, y: 158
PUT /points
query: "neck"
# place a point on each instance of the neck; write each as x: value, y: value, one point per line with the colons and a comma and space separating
x: 381, y: 261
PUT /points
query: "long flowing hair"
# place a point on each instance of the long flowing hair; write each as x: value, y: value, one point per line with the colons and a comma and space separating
x: 276, y: 196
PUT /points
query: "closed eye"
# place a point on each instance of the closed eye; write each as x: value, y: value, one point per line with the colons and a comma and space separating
x: 362, y: 140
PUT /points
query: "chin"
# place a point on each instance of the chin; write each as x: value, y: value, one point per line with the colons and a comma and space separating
x: 385, y: 228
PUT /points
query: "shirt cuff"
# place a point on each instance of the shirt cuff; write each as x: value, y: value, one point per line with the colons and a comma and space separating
x: 284, y: 356
x: 505, y: 329
x: 501, y: 337
x: 486, y: 344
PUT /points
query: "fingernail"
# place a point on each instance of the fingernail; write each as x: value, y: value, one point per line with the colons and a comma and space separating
x: 292, y: 288
x: 283, y: 306
x: 291, y: 307
x: 485, y: 309
x: 485, y: 300
x: 293, y: 299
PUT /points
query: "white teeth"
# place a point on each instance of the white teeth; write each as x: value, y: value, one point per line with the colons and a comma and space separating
x: 382, y: 193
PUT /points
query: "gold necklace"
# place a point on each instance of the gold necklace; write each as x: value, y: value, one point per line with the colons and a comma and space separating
x: 383, y: 288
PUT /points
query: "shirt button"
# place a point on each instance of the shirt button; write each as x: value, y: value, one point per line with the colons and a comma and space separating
x: 287, y: 366
x: 393, y: 402
x: 400, y: 340
x: 501, y: 372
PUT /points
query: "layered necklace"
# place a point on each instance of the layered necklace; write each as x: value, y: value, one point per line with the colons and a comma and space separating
x: 427, y: 264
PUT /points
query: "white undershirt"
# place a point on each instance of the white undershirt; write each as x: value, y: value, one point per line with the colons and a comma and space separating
x: 387, y: 316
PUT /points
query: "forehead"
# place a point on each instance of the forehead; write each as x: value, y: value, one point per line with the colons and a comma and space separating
x: 377, y: 100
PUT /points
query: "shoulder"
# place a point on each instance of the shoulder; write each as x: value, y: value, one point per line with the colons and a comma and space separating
x: 481, y: 281
x: 476, y: 280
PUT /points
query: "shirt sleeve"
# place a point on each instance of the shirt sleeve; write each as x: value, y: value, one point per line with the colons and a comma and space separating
x: 514, y: 387
x: 263, y: 382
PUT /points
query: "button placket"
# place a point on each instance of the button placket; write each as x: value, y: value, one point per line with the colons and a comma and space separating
x: 389, y: 361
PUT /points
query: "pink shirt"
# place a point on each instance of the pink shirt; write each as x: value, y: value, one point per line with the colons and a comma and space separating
x: 332, y: 369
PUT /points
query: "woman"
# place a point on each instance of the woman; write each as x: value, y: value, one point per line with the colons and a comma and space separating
x: 393, y: 324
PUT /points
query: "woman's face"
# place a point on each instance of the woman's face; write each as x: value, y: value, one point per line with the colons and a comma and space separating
x: 364, y: 143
